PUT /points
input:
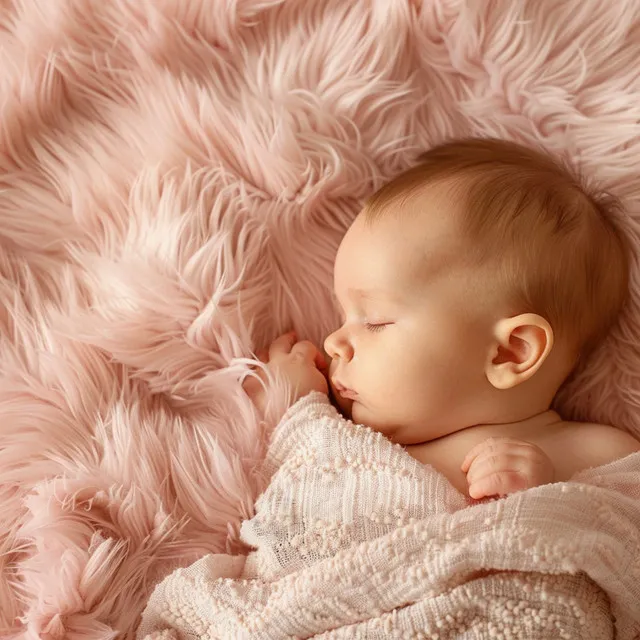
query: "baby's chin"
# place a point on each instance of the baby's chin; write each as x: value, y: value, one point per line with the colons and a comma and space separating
x: 357, y: 412
x: 360, y: 414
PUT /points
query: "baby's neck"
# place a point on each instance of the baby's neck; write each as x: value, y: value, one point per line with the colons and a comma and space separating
x: 531, y: 424
x: 447, y: 452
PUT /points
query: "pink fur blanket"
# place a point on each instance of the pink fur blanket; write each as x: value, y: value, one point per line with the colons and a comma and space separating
x: 353, y: 538
x: 174, y: 180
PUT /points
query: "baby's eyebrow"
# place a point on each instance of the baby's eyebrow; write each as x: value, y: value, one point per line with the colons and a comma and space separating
x: 360, y: 294
x: 354, y: 294
x: 371, y: 294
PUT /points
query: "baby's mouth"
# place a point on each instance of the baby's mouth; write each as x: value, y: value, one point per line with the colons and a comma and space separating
x: 343, y: 391
x: 342, y: 403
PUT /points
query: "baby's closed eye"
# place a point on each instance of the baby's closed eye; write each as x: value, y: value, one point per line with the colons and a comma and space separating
x: 375, y: 327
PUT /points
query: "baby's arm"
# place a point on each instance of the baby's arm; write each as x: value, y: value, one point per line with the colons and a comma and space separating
x: 500, y: 466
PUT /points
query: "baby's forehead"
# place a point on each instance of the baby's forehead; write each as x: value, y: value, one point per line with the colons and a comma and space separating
x: 401, y: 249
x: 429, y: 220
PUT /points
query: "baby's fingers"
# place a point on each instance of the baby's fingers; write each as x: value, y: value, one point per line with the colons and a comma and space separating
x: 282, y: 345
x: 488, y: 463
x: 308, y: 352
x: 495, y: 446
x: 304, y: 350
x: 499, y: 483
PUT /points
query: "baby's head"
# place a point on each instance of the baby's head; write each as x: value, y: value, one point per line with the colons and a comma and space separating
x: 470, y: 285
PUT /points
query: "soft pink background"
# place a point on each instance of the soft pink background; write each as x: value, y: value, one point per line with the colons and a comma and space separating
x: 170, y: 168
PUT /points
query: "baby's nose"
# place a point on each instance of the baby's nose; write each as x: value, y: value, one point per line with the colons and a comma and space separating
x: 337, y: 346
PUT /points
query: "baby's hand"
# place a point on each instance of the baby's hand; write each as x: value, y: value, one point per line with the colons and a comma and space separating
x: 301, y: 364
x: 499, y: 466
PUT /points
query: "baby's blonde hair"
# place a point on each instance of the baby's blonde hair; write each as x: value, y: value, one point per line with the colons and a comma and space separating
x: 557, y: 244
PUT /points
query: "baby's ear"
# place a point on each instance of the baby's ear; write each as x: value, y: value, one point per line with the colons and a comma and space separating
x: 522, y: 344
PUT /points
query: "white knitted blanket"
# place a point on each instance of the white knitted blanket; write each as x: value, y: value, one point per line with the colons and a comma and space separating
x: 354, y: 538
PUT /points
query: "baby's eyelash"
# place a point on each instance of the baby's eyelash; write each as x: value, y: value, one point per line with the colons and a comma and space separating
x: 374, y: 328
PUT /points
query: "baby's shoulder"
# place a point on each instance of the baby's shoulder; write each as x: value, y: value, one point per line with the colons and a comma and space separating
x: 594, y: 432
x: 595, y: 444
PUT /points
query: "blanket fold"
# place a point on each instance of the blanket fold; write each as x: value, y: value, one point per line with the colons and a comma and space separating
x: 354, y: 538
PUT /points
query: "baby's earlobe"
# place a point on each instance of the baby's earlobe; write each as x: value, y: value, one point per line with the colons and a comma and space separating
x: 502, y: 376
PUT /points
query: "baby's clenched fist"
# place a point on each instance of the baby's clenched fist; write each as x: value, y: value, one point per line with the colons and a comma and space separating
x: 300, y: 364
x: 500, y: 466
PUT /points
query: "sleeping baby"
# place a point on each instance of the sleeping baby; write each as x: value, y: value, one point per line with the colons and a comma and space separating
x: 470, y: 287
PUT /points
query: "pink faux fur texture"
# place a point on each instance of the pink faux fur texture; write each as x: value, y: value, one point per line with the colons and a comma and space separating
x: 175, y: 177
